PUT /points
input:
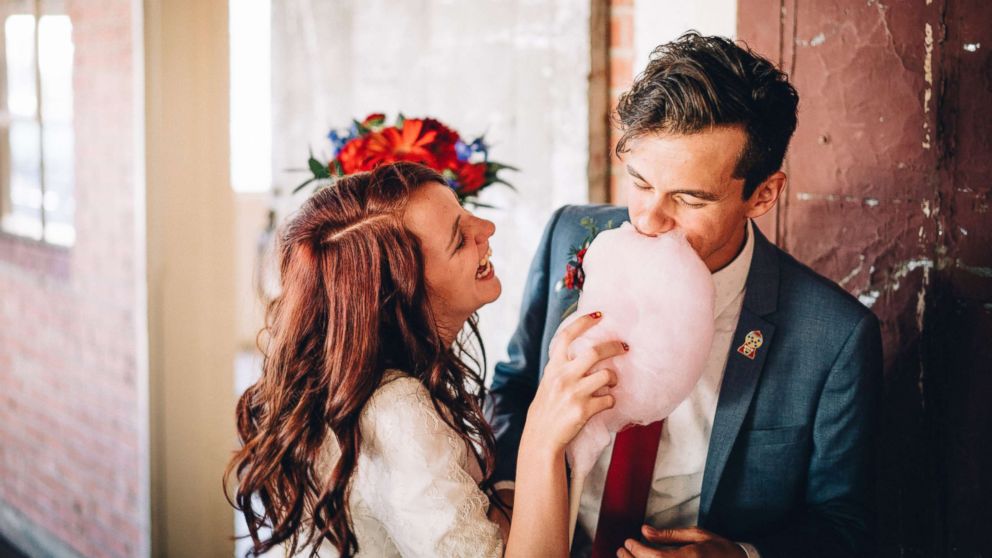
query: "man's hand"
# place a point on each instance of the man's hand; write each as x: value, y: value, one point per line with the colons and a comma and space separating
x: 680, y: 543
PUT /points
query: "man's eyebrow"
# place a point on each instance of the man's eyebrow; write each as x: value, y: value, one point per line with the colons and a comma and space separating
x: 637, y: 175
x: 454, y: 231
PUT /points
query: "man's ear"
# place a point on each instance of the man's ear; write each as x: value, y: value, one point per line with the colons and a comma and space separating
x: 765, y: 196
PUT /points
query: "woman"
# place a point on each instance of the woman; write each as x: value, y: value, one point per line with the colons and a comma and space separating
x: 365, y: 432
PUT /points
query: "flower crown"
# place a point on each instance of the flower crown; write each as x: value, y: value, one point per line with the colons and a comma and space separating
x: 370, y: 143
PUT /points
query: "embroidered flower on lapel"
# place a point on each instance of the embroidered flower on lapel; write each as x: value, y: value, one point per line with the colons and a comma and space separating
x: 575, y: 276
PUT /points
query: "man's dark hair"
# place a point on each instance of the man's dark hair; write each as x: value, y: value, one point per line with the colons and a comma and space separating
x: 697, y: 82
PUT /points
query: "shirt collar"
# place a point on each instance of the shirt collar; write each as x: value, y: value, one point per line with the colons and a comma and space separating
x: 730, y: 280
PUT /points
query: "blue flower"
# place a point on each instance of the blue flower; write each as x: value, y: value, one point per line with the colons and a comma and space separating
x: 465, y: 151
x: 479, y: 146
x: 340, y: 137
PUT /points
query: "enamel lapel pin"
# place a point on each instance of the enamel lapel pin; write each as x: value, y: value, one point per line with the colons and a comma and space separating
x: 752, y: 341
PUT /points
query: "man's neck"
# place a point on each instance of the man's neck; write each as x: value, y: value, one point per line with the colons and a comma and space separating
x: 740, y: 247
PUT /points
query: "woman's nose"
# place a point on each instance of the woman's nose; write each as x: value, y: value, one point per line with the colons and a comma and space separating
x: 654, y: 221
x: 485, y: 230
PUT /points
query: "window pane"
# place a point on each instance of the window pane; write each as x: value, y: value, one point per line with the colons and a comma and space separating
x: 54, y: 64
x: 21, y: 100
x: 55, y: 59
x: 55, y: 53
x: 24, y: 216
x: 25, y: 171
x: 251, y: 100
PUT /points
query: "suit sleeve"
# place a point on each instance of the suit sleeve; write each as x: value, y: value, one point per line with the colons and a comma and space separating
x: 837, y: 519
x: 515, y: 380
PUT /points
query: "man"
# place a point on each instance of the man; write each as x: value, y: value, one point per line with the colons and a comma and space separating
x: 770, y: 454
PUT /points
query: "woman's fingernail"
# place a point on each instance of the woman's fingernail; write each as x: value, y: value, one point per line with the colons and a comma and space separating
x: 596, y: 315
x: 626, y: 347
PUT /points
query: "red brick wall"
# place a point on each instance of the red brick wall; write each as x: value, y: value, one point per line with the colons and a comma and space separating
x: 621, y: 76
x: 69, y: 411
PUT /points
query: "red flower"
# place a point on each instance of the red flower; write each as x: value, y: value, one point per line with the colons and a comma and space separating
x: 581, y: 254
x: 409, y: 143
x: 443, y: 145
x: 354, y: 156
x: 374, y: 120
x: 371, y: 143
x: 570, y: 276
x: 471, y: 177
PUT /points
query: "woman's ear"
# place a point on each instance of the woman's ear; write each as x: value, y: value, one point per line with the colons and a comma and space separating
x: 766, y: 195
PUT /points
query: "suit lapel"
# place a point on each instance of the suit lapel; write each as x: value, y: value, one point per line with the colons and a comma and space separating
x: 741, y: 375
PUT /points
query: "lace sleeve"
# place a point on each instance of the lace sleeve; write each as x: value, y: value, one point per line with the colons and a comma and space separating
x: 417, y: 481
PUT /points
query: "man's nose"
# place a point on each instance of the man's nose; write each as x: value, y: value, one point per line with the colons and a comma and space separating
x: 654, y: 221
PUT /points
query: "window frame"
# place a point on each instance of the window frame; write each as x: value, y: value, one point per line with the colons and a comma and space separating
x: 37, y: 9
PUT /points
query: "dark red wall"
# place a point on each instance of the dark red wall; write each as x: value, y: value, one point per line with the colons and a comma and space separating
x: 890, y: 173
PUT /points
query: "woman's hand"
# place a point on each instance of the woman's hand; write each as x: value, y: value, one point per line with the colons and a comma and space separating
x: 569, y: 395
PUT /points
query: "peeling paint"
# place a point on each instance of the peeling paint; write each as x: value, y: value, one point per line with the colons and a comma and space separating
x: 811, y: 196
x: 889, y: 91
x: 984, y: 272
x: 869, y: 298
x: 854, y: 272
x: 904, y: 269
x: 928, y: 77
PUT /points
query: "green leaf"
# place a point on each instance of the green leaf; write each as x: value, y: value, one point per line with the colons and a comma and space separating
x: 377, y: 122
x: 362, y: 129
x: 476, y: 203
x: 301, y: 186
x: 496, y: 167
x: 318, y: 169
x: 503, y: 182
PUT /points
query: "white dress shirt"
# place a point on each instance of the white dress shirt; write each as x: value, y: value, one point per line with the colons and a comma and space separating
x: 678, y: 470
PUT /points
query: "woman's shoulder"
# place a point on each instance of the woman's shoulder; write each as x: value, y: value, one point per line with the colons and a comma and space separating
x: 397, y: 383
x: 399, y: 395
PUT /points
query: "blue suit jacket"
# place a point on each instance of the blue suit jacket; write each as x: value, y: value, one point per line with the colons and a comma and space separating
x: 788, y: 466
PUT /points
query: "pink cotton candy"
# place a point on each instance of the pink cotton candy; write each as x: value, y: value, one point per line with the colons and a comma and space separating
x: 656, y: 295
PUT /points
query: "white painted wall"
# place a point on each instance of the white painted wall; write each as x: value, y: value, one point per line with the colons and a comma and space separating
x: 660, y: 21
x: 515, y: 70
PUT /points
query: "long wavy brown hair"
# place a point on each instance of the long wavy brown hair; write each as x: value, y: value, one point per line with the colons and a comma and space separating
x: 353, y: 304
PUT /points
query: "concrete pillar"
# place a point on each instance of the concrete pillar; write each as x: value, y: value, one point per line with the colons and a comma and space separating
x: 190, y: 262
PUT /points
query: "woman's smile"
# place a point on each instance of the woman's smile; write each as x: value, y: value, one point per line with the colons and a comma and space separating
x: 485, y: 271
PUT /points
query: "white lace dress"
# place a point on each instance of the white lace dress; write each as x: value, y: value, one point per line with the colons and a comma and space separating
x: 415, y: 491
